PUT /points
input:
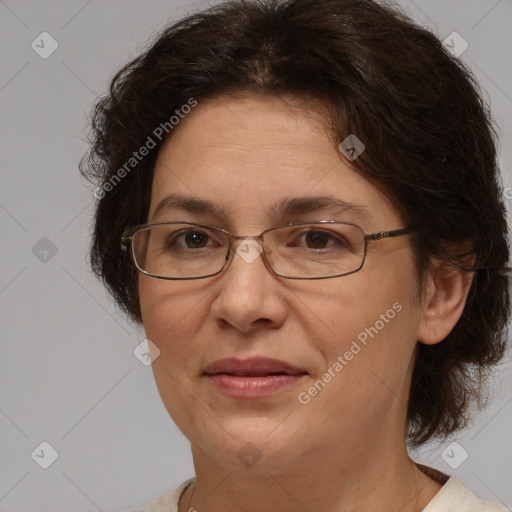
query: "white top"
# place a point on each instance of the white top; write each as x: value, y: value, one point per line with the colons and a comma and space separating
x: 453, y: 497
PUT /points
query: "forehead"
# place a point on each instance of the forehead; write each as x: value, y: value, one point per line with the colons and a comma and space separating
x: 248, y: 154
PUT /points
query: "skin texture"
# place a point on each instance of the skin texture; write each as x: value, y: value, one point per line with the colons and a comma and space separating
x: 345, y: 449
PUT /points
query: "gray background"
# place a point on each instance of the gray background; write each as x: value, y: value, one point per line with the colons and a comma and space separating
x: 68, y: 373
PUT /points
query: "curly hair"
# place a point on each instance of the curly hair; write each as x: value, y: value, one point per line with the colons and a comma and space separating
x: 431, y: 147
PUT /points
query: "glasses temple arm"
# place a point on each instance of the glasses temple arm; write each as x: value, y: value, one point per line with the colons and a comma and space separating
x: 387, y: 234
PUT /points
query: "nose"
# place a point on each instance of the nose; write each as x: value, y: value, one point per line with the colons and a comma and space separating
x: 250, y: 295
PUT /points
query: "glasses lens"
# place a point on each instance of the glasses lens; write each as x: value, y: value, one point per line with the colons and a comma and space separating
x: 179, y: 250
x: 315, y: 250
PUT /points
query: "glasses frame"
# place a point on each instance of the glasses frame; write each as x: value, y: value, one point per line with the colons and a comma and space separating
x: 129, y: 233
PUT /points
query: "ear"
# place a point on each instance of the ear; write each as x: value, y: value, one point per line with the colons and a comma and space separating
x: 445, y: 297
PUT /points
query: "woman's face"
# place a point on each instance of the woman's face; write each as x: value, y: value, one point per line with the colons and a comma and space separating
x: 351, y: 339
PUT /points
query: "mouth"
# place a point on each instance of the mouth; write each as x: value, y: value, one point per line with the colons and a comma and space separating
x: 253, y: 367
x: 252, y: 378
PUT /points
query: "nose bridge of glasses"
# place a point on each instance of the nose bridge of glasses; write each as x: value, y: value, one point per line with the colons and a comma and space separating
x: 243, y: 237
x: 248, y: 247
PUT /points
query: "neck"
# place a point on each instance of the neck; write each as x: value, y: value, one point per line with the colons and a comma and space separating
x: 383, y: 479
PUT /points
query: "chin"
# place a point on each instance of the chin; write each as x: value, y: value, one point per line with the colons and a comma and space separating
x: 258, y: 444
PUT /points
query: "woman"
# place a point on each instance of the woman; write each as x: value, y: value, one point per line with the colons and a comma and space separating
x: 300, y: 202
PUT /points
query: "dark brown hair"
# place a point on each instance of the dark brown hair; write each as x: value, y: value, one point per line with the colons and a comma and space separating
x: 430, y: 147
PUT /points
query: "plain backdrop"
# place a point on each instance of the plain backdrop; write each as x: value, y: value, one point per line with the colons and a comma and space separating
x: 68, y: 373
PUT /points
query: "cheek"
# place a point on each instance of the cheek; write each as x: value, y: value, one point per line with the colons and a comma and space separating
x: 171, y: 311
x: 343, y: 311
x: 366, y: 361
x: 170, y: 315
x: 368, y: 318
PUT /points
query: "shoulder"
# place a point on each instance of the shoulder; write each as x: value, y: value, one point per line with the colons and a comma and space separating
x: 454, y: 495
x: 168, y: 502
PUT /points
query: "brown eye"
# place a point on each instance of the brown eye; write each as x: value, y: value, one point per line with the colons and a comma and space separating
x: 188, y: 239
x: 317, y: 239
x: 195, y: 239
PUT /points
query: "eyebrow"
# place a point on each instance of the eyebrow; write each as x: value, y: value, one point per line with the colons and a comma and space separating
x: 189, y: 204
x: 285, y: 207
x: 311, y: 204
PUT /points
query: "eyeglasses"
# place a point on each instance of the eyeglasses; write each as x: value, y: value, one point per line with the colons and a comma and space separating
x: 302, y: 250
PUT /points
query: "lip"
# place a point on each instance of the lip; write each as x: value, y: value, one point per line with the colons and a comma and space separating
x: 254, y: 367
x: 254, y: 377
